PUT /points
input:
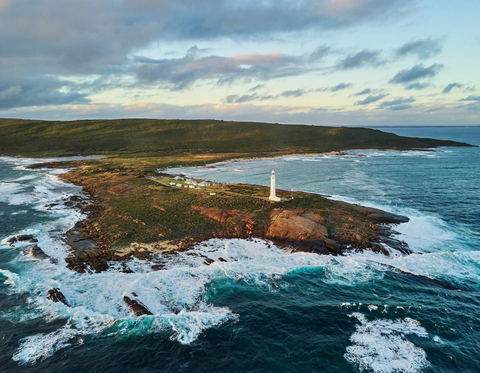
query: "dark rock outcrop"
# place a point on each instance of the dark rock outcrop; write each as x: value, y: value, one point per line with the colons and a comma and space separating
x: 11, y: 240
x: 78, y: 242
x: 55, y: 295
x: 36, y: 252
x: 96, y: 259
x: 25, y: 237
x: 443, y: 284
x: 21, y: 238
x: 136, y: 307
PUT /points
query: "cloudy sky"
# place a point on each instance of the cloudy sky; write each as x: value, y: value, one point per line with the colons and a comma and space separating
x: 331, y: 62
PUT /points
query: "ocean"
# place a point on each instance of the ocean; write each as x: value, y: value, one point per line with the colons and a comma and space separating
x: 262, y: 310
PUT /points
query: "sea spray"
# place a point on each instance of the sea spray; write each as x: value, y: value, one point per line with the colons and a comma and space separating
x: 380, y: 346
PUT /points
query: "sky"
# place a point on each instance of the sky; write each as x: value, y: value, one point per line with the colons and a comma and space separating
x: 322, y: 62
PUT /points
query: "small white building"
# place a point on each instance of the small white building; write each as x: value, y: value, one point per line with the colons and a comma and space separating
x: 191, y: 186
x: 172, y: 183
x: 191, y: 182
x: 179, y: 185
x: 204, y: 183
x: 178, y: 178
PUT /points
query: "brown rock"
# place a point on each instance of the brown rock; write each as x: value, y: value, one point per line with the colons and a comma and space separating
x: 136, y: 307
x: 288, y: 225
x: 315, y: 217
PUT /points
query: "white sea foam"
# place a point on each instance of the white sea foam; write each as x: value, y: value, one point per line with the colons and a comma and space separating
x: 380, y: 346
x: 176, y: 295
x: 41, y: 346
x: 22, y: 162
x: 11, y: 193
x: 424, y: 232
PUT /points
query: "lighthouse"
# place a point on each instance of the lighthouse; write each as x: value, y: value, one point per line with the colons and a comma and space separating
x: 273, y: 197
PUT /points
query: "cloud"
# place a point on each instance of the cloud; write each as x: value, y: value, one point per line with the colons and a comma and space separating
x: 181, y: 73
x: 335, y: 88
x: 39, y: 92
x: 80, y: 38
x: 4, y: 4
x: 471, y: 98
x: 257, y: 87
x: 423, y: 49
x: 397, y: 104
x: 451, y: 86
x: 415, y: 73
x: 418, y: 86
x: 320, y: 53
x: 435, y: 109
x: 366, y: 91
x: 370, y: 99
x: 365, y: 58
x: 237, y: 99
x: 83, y: 36
x: 293, y: 93
x: 340, y: 87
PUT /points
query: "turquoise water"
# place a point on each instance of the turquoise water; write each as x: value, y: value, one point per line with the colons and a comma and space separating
x: 262, y: 310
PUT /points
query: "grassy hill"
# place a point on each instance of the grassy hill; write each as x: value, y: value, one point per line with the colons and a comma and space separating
x: 151, y: 137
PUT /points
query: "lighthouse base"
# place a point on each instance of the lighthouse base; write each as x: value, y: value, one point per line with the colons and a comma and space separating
x: 274, y: 198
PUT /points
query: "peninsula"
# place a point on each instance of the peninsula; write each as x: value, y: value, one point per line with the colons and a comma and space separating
x: 136, y: 210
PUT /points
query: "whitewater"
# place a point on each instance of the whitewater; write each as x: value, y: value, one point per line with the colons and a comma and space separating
x: 259, y: 309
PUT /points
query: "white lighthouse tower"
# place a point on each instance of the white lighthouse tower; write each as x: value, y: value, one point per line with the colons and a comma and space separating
x: 273, y: 197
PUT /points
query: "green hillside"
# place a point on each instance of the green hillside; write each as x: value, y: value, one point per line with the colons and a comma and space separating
x: 150, y: 137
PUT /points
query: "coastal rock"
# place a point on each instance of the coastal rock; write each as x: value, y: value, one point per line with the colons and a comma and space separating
x: 432, y: 280
x: 55, y: 295
x: 136, y: 307
x: 78, y: 242
x: 388, y: 218
x: 96, y: 260
x: 314, y: 246
x: 25, y: 237
x: 333, y: 246
x: 11, y: 240
x: 21, y: 238
x: 378, y: 216
x: 35, y: 252
x: 289, y: 225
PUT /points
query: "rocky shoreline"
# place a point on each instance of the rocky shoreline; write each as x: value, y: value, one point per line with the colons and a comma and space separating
x: 93, y: 250
x: 289, y: 230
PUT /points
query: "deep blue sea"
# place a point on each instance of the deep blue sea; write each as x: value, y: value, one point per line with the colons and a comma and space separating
x: 263, y: 310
